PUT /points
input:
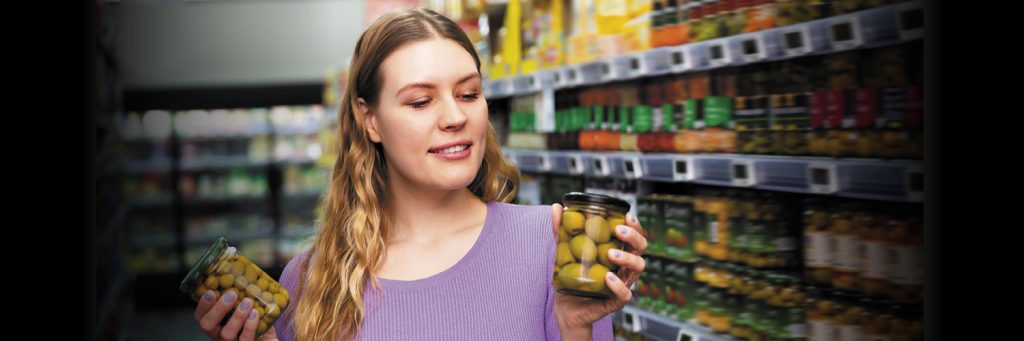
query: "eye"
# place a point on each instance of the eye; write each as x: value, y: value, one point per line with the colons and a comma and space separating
x: 471, y: 96
x: 420, y: 104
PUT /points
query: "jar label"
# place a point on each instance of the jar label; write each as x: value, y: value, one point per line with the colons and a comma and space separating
x: 850, y: 333
x: 846, y: 257
x: 906, y: 265
x: 873, y: 260
x: 820, y: 331
x: 816, y: 250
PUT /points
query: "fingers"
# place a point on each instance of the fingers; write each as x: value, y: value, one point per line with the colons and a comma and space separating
x: 206, y: 303
x: 631, y: 235
x: 627, y: 260
x: 210, y: 323
x: 621, y: 291
x: 249, y: 329
x: 556, y: 218
x: 238, y: 318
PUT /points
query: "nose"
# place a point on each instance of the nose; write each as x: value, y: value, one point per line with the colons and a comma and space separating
x: 452, y: 116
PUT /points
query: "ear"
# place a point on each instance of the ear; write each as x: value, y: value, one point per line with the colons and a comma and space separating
x: 370, y: 120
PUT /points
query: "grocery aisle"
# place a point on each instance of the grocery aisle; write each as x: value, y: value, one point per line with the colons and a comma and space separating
x: 772, y: 149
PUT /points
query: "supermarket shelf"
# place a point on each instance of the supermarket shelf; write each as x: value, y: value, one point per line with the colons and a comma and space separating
x: 226, y: 162
x: 873, y: 28
x: 661, y: 327
x: 232, y: 236
x: 876, y: 179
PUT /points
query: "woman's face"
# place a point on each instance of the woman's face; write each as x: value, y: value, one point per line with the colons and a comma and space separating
x: 431, y: 117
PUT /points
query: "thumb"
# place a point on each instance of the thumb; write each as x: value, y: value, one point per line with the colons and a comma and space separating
x: 556, y: 218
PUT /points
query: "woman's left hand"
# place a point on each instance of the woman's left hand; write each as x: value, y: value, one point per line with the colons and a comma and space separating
x: 576, y: 315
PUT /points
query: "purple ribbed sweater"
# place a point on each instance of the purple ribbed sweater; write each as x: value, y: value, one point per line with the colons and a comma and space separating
x: 496, y: 292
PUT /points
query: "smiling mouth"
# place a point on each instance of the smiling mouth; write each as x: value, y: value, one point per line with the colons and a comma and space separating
x: 452, y: 149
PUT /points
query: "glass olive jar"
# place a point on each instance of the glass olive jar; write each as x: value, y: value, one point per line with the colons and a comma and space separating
x: 874, y: 278
x: 906, y: 268
x: 587, y: 221
x: 817, y: 259
x: 649, y: 213
x: 844, y: 245
x: 224, y: 269
x: 679, y: 227
x: 683, y: 289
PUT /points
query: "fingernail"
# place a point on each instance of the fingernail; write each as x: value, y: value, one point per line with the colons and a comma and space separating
x: 208, y: 296
x: 246, y: 303
x: 612, y: 277
x: 623, y: 230
x: 229, y: 297
x: 617, y: 254
x: 632, y: 219
x: 253, y: 314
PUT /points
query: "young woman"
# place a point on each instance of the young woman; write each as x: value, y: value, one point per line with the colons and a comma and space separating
x: 417, y: 240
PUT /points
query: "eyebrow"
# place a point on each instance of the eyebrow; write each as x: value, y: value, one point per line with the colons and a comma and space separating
x: 428, y: 85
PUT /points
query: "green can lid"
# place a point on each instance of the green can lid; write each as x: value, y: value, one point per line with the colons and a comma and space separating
x: 600, y: 199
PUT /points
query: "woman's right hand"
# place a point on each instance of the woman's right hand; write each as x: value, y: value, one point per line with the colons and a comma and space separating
x: 242, y: 325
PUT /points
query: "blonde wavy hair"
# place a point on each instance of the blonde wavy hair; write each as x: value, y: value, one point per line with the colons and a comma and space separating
x: 350, y: 246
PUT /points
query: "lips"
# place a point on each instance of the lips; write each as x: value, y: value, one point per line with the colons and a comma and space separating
x: 451, y: 148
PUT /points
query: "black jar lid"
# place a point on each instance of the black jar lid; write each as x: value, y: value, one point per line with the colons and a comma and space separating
x: 580, y: 197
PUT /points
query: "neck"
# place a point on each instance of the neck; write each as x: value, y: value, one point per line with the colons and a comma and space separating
x: 423, y: 216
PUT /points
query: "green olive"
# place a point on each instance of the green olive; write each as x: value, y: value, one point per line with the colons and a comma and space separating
x: 570, y: 275
x: 572, y: 222
x: 596, y: 275
x: 564, y: 255
x: 598, y: 229
x: 602, y: 254
x: 583, y: 248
